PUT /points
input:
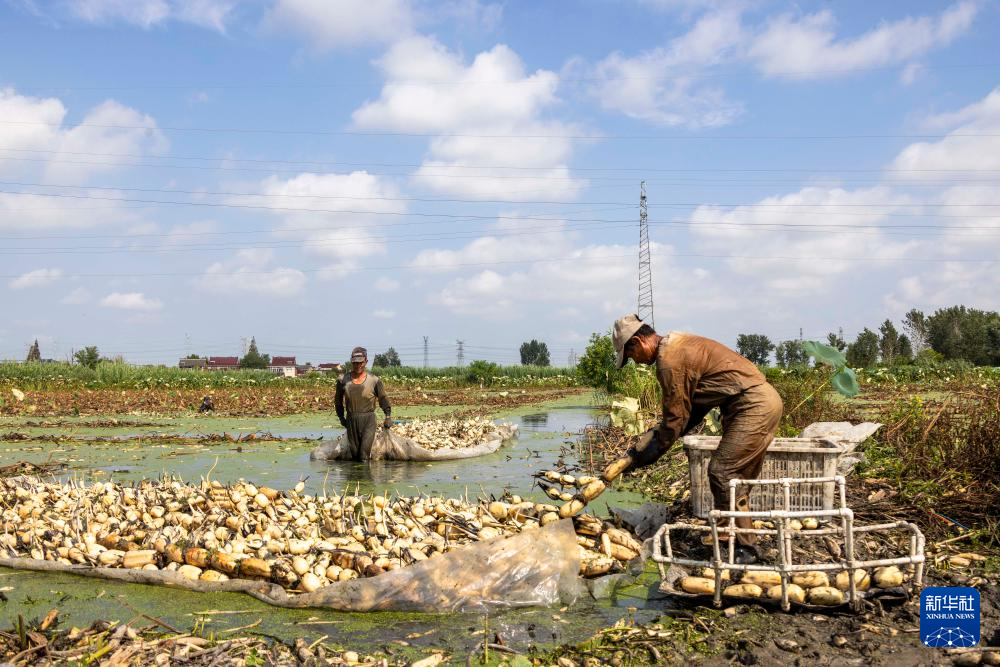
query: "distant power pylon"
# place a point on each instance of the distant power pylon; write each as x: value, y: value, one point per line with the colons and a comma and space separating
x: 645, y: 311
x: 461, y: 352
x: 425, y: 351
x: 571, y: 362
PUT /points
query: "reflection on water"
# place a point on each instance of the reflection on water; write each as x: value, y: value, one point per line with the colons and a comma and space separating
x: 535, y: 422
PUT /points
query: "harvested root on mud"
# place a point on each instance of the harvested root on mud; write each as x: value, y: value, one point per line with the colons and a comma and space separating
x: 212, y: 531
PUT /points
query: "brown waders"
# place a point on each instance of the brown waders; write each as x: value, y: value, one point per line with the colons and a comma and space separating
x: 749, y: 421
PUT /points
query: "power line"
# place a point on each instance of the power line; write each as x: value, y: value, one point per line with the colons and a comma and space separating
x: 575, y: 258
x: 648, y: 169
x: 145, y: 85
x: 467, y: 135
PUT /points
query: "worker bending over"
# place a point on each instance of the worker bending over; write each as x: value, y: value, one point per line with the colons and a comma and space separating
x: 697, y: 374
x: 357, y: 392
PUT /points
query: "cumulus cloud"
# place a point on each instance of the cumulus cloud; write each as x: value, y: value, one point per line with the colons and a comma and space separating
x: 131, y: 301
x: 972, y: 142
x: 249, y: 272
x: 341, y: 218
x: 77, y: 297
x: 36, y: 278
x: 342, y: 24
x: 807, y: 47
x: 38, y: 129
x: 665, y: 85
x: 211, y: 14
x: 488, y: 116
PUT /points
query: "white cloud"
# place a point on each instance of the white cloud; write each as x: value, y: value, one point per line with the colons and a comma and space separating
x: 342, y: 24
x: 36, y: 278
x: 211, y: 14
x: 807, y: 47
x: 383, y: 314
x: 385, y: 284
x: 131, y: 301
x: 968, y: 146
x: 808, y: 259
x: 340, y: 221
x: 248, y: 272
x: 487, y: 115
x: 665, y: 85
x: 38, y: 131
x: 77, y: 297
x: 550, y: 241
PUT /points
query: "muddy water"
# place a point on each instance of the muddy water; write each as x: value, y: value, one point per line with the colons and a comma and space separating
x: 546, y: 436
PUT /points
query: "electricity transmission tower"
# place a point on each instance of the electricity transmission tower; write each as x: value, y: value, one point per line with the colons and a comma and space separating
x: 461, y: 352
x: 425, y: 351
x: 572, y: 359
x: 645, y: 311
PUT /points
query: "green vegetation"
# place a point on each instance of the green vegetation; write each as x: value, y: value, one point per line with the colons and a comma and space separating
x: 115, y: 374
x: 755, y: 347
x: 388, y: 359
x: 253, y: 359
x: 534, y: 353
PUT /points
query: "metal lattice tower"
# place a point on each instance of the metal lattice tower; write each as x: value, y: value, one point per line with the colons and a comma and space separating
x: 425, y: 351
x: 645, y: 310
x: 461, y: 352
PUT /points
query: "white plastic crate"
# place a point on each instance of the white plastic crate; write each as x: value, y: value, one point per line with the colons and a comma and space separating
x: 786, y: 457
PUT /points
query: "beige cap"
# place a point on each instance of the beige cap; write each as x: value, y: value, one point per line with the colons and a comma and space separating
x: 625, y: 328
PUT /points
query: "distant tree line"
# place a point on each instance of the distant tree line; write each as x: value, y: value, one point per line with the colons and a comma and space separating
x: 949, y: 334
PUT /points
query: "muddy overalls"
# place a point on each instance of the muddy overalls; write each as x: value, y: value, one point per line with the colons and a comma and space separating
x: 697, y: 374
x: 359, y: 400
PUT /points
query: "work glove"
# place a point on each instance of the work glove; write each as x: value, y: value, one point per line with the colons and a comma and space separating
x: 387, y: 423
x: 343, y: 422
x: 647, y: 451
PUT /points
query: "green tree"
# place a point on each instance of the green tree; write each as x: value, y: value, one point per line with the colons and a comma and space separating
x: 596, y: 366
x: 388, y: 359
x: 482, y: 372
x: 253, y: 358
x: 34, y: 354
x: 836, y: 340
x: 755, y: 347
x: 193, y: 356
x: 863, y: 352
x: 904, y: 350
x: 534, y: 353
x: 888, y: 342
x: 791, y: 353
x: 915, y: 325
x: 964, y: 333
x: 88, y: 356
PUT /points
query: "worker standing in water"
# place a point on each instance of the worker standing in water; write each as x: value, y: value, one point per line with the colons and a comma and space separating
x: 355, y: 398
x: 695, y: 375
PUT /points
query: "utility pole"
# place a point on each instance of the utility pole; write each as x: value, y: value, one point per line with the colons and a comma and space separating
x: 645, y: 311
x: 461, y: 353
x: 425, y: 351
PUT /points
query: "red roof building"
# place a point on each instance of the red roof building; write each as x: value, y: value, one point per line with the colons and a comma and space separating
x: 223, y: 362
x: 282, y: 361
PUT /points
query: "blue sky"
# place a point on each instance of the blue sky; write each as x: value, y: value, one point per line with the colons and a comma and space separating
x: 179, y: 175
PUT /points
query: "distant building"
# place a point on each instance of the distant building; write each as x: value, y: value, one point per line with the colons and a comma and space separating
x: 283, y: 366
x: 199, y: 364
x: 330, y: 368
x: 223, y: 363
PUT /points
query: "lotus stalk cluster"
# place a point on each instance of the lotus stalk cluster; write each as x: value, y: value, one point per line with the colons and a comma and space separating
x: 212, y: 531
